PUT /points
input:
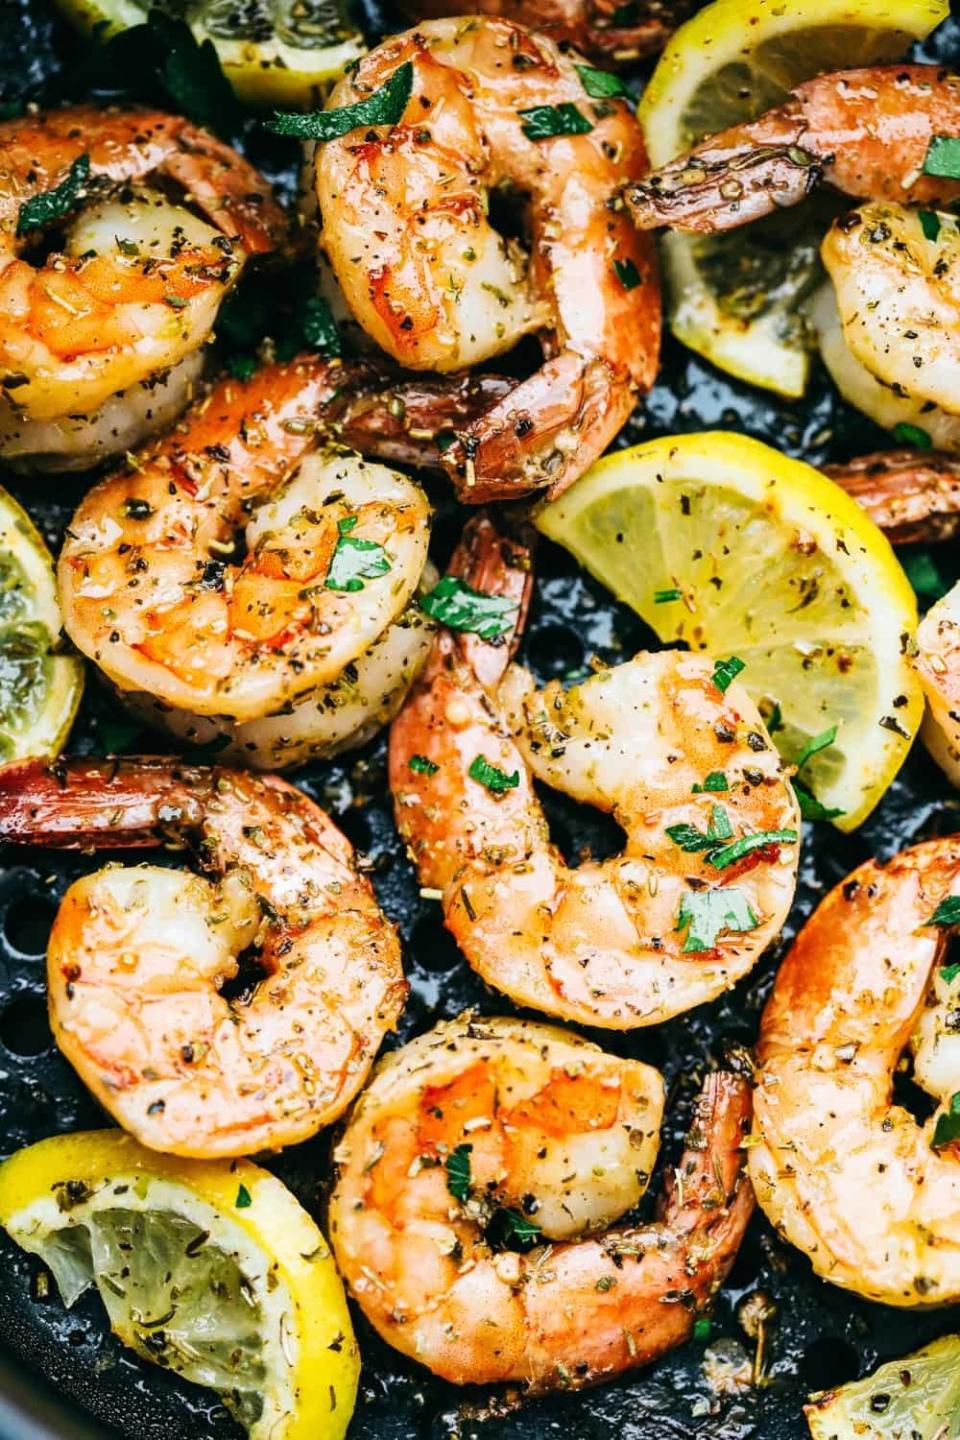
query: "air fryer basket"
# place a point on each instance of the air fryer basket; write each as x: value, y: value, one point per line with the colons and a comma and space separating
x: 62, y: 1368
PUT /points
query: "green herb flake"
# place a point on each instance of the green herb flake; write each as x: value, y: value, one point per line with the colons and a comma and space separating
x: 545, y: 122
x: 705, y: 913
x: 457, y: 1166
x: 774, y: 721
x: 54, y: 204
x: 943, y: 157
x: 905, y: 434
x: 949, y: 973
x: 701, y: 1328
x: 759, y: 840
x: 716, y: 781
x: 384, y: 107
x: 488, y: 775
x: 519, y: 1229
x: 457, y: 605
x: 663, y: 597
x: 241, y: 367
x: 814, y: 745
x: 600, y: 84
x: 947, y: 1129
x: 947, y: 912
x: 420, y: 765
x: 320, y: 329
x: 243, y: 1200
x: 690, y: 839
x: 355, y: 561
x: 726, y: 671
x: 630, y: 277
x: 930, y: 224
x: 924, y: 574
x: 810, y: 806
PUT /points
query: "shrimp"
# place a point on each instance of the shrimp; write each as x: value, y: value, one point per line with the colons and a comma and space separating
x: 616, y: 34
x: 845, y: 1173
x: 866, y: 131
x: 138, y: 955
x: 712, y: 827
x: 229, y: 572
x: 482, y: 1130
x: 938, y: 666
x: 406, y: 229
x: 912, y: 495
x: 138, y: 284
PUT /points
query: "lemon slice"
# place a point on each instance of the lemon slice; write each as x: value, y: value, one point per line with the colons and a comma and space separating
x: 725, y: 544
x: 274, y: 52
x: 39, y: 690
x: 210, y: 1269
x: 737, y: 300
x: 916, y: 1397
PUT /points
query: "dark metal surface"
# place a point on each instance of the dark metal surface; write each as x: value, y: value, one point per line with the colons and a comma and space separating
x: 818, y: 1335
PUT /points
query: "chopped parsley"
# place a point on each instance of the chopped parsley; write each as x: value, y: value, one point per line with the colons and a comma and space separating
x: 810, y: 806
x: 705, y: 913
x: 355, y: 561
x: 458, y: 1172
x: 54, y: 204
x: 518, y: 1228
x: 814, y: 745
x: 943, y: 157
x: 629, y: 277
x: 759, y: 840
x: 488, y: 775
x: 420, y: 765
x: 947, y: 912
x: 663, y: 597
x: 319, y: 327
x: 716, y: 781
x: 930, y: 224
x: 690, y: 839
x: 702, y: 1327
x: 905, y: 434
x: 243, y: 1200
x: 600, y: 84
x: 458, y: 606
x: 726, y: 671
x: 949, y: 973
x: 384, y: 107
x: 545, y: 122
x: 924, y: 574
x: 719, y: 830
x: 774, y: 721
x: 947, y: 1129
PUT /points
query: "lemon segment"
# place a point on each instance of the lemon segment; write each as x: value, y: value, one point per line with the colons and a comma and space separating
x: 39, y: 690
x: 286, y: 53
x: 918, y: 1396
x: 210, y: 1268
x: 733, y: 60
x: 726, y: 545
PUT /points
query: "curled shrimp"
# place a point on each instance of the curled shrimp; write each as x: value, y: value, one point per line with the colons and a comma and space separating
x: 866, y: 132
x: 482, y: 1129
x: 138, y: 284
x: 138, y: 955
x: 845, y: 1173
x: 231, y: 572
x: 938, y: 666
x: 616, y: 34
x: 709, y: 865
x: 405, y: 226
x: 912, y: 495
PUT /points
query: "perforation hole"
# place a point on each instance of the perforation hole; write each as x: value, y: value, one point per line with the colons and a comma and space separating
x: 24, y: 1029
x: 27, y: 923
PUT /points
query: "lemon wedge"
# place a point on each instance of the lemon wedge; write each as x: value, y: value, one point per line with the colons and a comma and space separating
x: 738, y: 299
x: 39, y: 689
x: 727, y: 545
x: 916, y: 1397
x: 211, y: 1269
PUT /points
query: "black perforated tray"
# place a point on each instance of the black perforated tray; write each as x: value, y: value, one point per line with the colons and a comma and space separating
x: 818, y: 1336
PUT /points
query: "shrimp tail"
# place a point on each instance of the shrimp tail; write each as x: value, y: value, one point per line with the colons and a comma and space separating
x: 708, y: 1191
x: 496, y: 561
x: 412, y: 419
x: 913, y: 496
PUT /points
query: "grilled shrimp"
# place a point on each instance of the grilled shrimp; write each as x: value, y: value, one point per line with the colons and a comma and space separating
x: 138, y: 954
x: 845, y: 1173
x: 406, y: 230
x: 483, y: 1130
x: 938, y: 665
x: 866, y: 131
x: 228, y: 571
x: 136, y: 288
x: 709, y: 867
x: 610, y: 32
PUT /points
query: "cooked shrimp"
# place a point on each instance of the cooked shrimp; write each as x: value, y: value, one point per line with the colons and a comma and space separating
x: 912, y: 495
x: 228, y: 572
x: 140, y: 279
x: 610, y: 32
x: 709, y: 867
x: 496, y: 1128
x: 406, y: 230
x: 846, y: 1174
x: 865, y: 131
x: 138, y: 955
x: 938, y: 665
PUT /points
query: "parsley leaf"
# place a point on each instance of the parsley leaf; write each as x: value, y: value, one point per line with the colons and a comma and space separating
x: 726, y: 671
x: 707, y: 912
x: 810, y: 806
x: 629, y: 277
x: 54, y: 204
x: 244, y: 1199
x: 458, y: 606
x: 947, y: 1129
x: 774, y: 721
x: 943, y: 157
x: 949, y: 973
x: 702, y: 1327
x: 759, y: 840
x: 663, y: 597
x: 319, y: 327
x: 947, y: 912
x: 544, y: 122
x: 600, y: 84
x: 924, y: 575
x: 905, y: 434
x: 690, y: 839
x: 517, y: 1228
x: 458, y: 1172
x: 354, y: 561
x: 420, y: 765
x: 495, y: 780
x: 384, y: 107
x: 815, y: 744
x: 930, y: 224
x: 715, y: 781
